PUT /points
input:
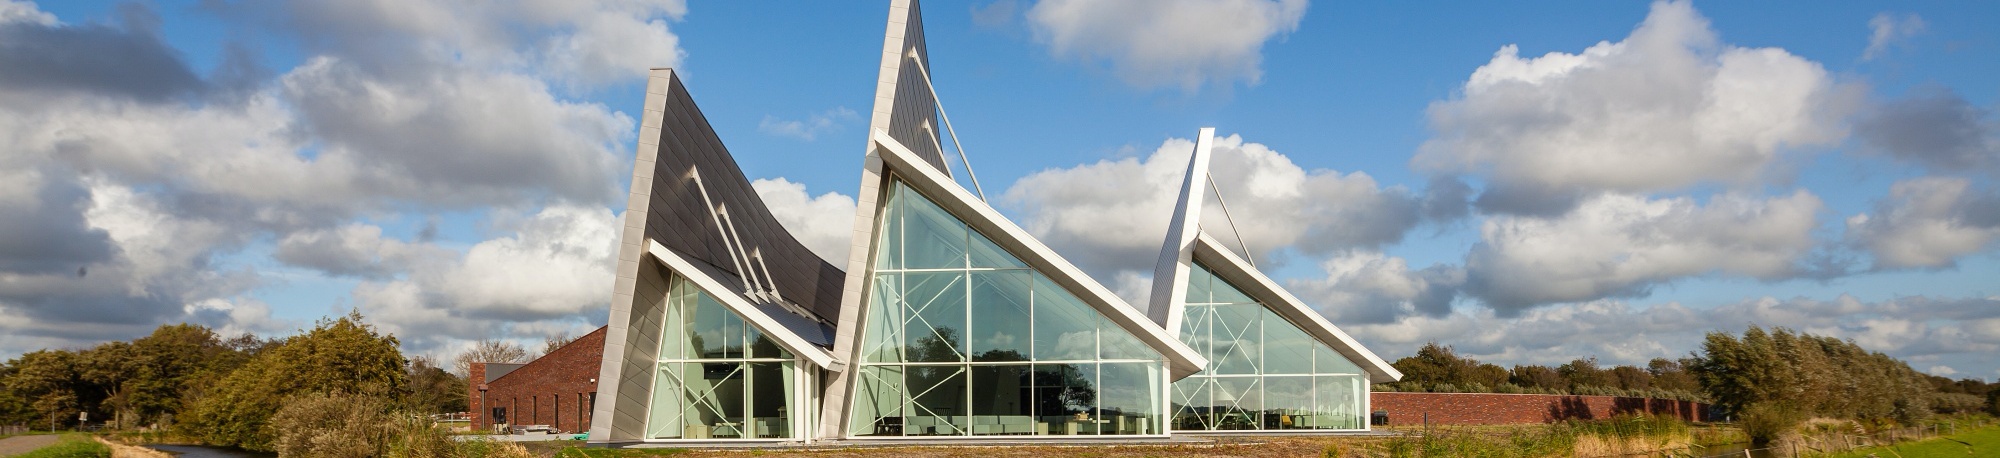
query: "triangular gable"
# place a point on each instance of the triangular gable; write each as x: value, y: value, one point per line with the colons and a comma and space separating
x: 905, y: 106
x: 1188, y: 243
x: 890, y: 157
x: 727, y: 291
x: 1238, y: 273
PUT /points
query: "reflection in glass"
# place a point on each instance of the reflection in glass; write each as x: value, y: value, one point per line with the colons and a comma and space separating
x: 962, y: 338
x: 1000, y: 318
x: 718, y: 377
x: 1265, y: 372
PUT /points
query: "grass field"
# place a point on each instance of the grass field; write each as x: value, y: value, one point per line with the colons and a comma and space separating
x: 1980, y: 442
x: 72, y: 445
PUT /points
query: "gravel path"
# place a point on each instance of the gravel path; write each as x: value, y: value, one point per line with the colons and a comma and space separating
x: 23, y: 444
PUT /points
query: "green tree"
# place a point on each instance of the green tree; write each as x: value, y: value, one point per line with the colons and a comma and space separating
x: 1583, y: 372
x: 173, y: 365
x: 345, y: 355
x: 435, y: 390
x: 47, y: 380
x: 106, y: 368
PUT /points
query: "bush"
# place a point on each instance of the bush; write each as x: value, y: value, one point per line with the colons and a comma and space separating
x: 1768, y: 422
x: 333, y: 425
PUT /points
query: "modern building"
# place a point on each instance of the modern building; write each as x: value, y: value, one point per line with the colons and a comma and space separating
x: 1274, y: 364
x: 948, y: 321
x: 556, y: 390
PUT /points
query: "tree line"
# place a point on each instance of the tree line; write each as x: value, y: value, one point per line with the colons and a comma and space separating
x: 1778, y: 376
x: 186, y: 379
x: 1439, y: 369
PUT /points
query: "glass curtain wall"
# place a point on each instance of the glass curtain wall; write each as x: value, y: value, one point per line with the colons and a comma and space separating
x: 719, y: 377
x: 962, y: 338
x: 1264, y: 372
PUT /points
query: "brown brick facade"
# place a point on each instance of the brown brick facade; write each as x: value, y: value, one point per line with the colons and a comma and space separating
x: 1495, y: 409
x: 555, y: 390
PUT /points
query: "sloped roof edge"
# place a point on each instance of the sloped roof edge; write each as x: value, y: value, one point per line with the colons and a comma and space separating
x: 1243, y: 276
x: 732, y: 298
x: 1183, y: 360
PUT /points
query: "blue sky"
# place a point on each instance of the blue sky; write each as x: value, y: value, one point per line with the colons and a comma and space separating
x: 285, y: 181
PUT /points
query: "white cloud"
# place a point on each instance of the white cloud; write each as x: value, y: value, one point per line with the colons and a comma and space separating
x: 355, y: 250
x: 1616, y: 245
x: 1927, y: 223
x: 1666, y: 108
x: 399, y: 108
x: 1155, y: 43
x: 825, y: 224
x: 1942, y: 371
x: 12, y: 11
x: 554, y: 267
x: 1886, y: 29
x: 1620, y: 333
x: 809, y: 128
x: 1112, y: 214
x: 570, y: 42
x: 1368, y: 287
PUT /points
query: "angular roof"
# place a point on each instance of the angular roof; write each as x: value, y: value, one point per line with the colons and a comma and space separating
x: 1187, y: 243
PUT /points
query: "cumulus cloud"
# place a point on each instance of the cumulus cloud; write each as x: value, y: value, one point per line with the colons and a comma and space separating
x: 1935, y: 128
x: 1668, y: 107
x: 1368, y: 287
x: 459, y: 137
x: 1887, y: 29
x: 128, y: 59
x: 1152, y: 44
x: 150, y: 198
x: 579, y: 43
x: 1617, y: 332
x: 1928, y: 223
x: 825, y: 224
x: 357, y: 250
x: 1617, y: 245
x: 1112, y: 214
x: 809, y: 128
x: 553, y: 268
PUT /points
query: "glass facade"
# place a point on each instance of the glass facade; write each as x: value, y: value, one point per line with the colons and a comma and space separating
x: 1264, y: 372
x: 961, y: 338
x: 719, y: 377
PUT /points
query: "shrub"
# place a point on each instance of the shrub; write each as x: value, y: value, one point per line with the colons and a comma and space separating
x: 333, y: 425
x: 1766, y: 422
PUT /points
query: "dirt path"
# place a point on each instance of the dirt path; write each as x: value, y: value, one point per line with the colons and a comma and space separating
x: 23, y: 444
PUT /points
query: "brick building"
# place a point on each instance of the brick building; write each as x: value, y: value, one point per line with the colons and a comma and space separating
x: 557, y: 389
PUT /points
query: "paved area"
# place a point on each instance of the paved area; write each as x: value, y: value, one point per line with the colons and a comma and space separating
x: 23, y: 444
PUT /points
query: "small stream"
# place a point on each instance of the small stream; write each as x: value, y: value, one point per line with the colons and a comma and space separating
x: 203, y: 451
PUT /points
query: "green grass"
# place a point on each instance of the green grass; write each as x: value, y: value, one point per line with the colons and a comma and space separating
x: 72, y: 445
x: 1980, y: 442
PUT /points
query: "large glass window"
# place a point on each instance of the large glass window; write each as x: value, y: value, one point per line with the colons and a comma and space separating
x: 1264, y: 371
x: 719, y: 377
x: 962, y: 338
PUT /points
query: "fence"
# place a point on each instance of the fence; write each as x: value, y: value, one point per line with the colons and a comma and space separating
x: 9, y: 430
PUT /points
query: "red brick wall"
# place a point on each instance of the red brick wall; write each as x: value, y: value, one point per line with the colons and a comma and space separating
x: 1495, y: 409
x: 555, y: 390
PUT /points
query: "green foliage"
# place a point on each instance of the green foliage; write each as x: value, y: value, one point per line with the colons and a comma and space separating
x: 1818, y: 376
x: 50, y: 382
x: 336, y: 356
x: 1770, y: 421
x: 71, y: 446
x: 434, y: 389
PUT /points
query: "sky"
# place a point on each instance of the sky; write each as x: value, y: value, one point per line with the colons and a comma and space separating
x: 1528, y: 183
